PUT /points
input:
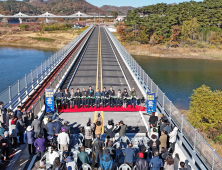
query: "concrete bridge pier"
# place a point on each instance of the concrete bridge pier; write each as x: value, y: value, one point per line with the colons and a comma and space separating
x: 46, y: 20
x: 20, y: 20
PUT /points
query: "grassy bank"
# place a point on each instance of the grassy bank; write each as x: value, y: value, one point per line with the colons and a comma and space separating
x: 134, y: 48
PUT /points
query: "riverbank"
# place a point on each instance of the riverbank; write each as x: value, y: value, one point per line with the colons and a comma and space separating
x: 162, y: 51
x: 53, y: 40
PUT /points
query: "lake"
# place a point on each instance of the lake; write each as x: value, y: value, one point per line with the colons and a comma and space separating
x: 177, y: 77
x: 16, y: 62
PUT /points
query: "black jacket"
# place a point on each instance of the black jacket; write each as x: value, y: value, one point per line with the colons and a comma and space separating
x: 110, y: 131
x: 105, y: 94
x: 66, y: 95
x: 84, y: 93
x: 59, y: 94
x: 153, y: 120
x: 125, y: 94
x: 98, y: 145
x: 154, y: 146
x: 90, y: 94
x: 141, y: 164
x: 78, y: 94
x: 163, y: 125
x: 110, y: 92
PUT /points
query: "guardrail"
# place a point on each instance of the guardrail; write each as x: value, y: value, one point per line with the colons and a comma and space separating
x: 15, y: 94
x: 57, y: 80
x: 195, y: 141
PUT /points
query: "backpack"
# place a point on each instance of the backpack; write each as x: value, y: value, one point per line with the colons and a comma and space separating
x: 154, y: 145
x: 71, y: 165
x: 107, y: 162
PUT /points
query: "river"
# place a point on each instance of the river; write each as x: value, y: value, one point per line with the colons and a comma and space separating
x: 16, y: 62
x: 177, y: 77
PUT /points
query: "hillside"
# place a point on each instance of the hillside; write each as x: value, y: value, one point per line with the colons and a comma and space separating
x: 121, y: 10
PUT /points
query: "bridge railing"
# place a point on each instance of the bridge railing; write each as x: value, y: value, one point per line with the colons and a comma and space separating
x: 16, y: 93
x: 198, y: 144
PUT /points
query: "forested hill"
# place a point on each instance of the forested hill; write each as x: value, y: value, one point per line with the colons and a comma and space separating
x: 187, y: 22
x: 61, y: 7
x: 121, y: 10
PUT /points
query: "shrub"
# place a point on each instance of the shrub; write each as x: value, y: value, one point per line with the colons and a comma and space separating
x: 5, y: 25
x: 24, y: 26
x: 43, y: 39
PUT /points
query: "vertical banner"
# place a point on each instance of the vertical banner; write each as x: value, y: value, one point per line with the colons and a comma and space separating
x: 49, y: 101
x: 151, y: 102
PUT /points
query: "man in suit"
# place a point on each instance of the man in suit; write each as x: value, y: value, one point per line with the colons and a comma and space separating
x: 104, y: 95
x: 133, y: 95
x: 119, y: 97
x: 124, y: 95
x: 90, y: 93
x: 78, y: 94
x: 84, y: 95
x: 59, y: 95
x: 72, y: 101
x: 111, y: 93
x: 66, y: 95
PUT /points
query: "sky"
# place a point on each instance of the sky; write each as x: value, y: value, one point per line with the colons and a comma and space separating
x: 134, y: 3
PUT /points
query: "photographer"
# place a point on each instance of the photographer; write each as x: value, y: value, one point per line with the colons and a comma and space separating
x: 122, y: 129
x: 89, y: 134
x: 99, y: 125
x: 110, y: 131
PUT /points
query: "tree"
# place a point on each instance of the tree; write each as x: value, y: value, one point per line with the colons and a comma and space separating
x: 175, y: 33
x: 114, y: 14
x: 190, y: 29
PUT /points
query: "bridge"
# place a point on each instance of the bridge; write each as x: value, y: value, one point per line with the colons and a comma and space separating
x: 98, y: 59
x: 48, y: 15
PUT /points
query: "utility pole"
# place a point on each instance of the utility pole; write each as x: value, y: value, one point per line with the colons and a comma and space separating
x: 94, y: 18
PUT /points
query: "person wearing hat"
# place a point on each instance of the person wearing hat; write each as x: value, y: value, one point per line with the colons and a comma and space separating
x: 70, y: 163
x: 36, y: 126
x: 57, y: 125
x: 63, y: 140
x: 13, y: 130
x: 124, y: 96
x: 66, y: 127
x: 141, y: 163
x: 133, y: 95
x: 30, y: 139
x: 106, y: 162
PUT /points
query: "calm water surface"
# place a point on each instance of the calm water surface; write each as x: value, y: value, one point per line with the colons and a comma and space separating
x: 178, y: 77
x: 16, y: 62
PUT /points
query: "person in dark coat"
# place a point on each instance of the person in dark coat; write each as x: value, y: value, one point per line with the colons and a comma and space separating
x: 106, y: 162
x: 83, y: 157
x: 18, y: 112
x: 153, y: 120
x: 57, y: 125
x: 30, y: 140
x: 162, y: 125
x: 122, y: 128
x: 119, y: 99
x: 90, y: 93
x: 21, y: 128
x: 36, y: 126
x: 111, y: 150
x: 84, y: 95
x: 156, y: 163
x: 110, y: 131
x: 50, y: 127
x: 124, y: 96
x: 111, y: 93
x: 25, y: 118
x: 141, y: 163
x: 168, y: 128
x: 13, y: 131
x: 40, y: 144
x: 66, y: 95
x: 2, y: 112
x: 67, y: 127
x: 105, y: 95
x: 182, y: 166
x: 58, y: 95
x: 5, y: 145
x: 154, y: 143
x: 98, y: 149
x: 78, y: 94
x: 9, y: 113
x: 58, y: 165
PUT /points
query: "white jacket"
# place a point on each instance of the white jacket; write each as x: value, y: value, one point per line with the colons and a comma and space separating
x: 173, y: 135
x: 52, y: 156
x: 63, y: 138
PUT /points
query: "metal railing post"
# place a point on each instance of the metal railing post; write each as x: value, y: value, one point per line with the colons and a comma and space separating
x: 156, y: 90
x: 31, y: 76
x: 213, y: 159
x: 9, y: 93
x: 182, y: 124
x: 151, y: 85
x: 37, y: 72
x: 41, y: 68
x: 195, y: 140
x: 25, y: 80
x: 18, y: 87
x: 163, y: 99
x: 170, y: 108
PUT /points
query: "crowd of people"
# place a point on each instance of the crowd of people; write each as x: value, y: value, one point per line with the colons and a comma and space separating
x: 85, y: 98
x: 51, y: 135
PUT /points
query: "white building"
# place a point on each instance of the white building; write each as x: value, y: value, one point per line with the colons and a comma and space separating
x: 119, y: 18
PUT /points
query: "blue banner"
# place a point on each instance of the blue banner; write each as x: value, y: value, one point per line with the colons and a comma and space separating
x: 151, y: 102
x: 49, y: 101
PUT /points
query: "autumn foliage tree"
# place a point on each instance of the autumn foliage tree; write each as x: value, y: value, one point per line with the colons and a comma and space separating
x: 175, y: 33
x: 206, y: 112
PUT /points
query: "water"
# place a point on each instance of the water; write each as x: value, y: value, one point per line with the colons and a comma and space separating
x: 178, y: 77
x: 16, y: 62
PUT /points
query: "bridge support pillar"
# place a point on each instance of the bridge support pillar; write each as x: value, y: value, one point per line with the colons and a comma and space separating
x: 20, y: 20
x: 46, y: 20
